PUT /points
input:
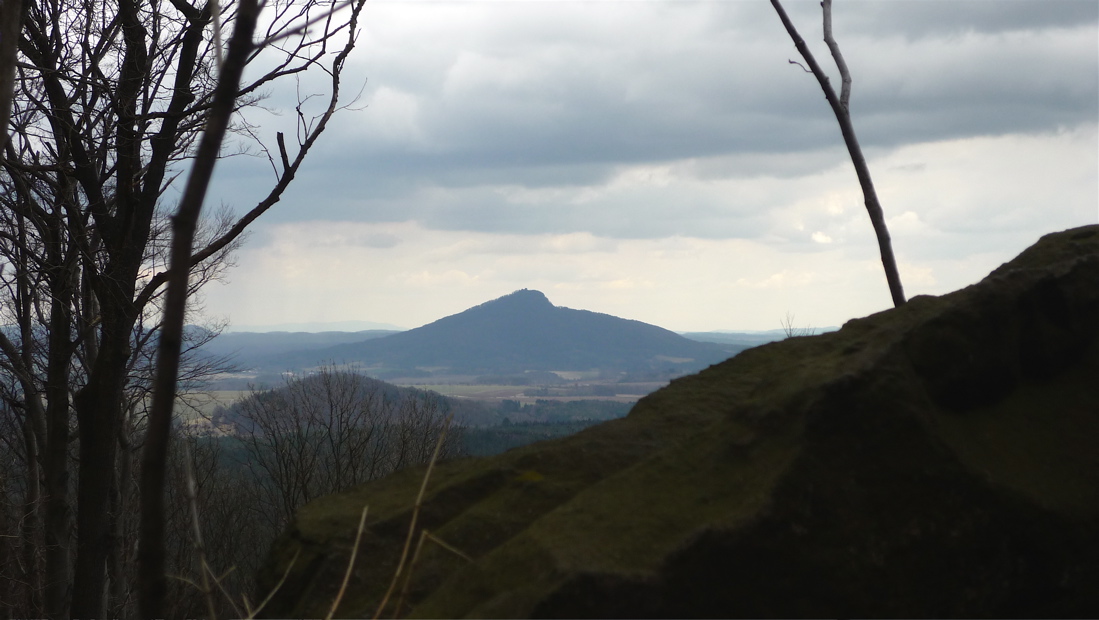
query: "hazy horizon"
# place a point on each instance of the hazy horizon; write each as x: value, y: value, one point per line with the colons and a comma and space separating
x: 352, y: 326
x: 357, y: 326
x: 315, y: 327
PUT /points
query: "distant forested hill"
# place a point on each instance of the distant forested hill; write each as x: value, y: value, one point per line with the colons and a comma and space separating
x: 349, y: 396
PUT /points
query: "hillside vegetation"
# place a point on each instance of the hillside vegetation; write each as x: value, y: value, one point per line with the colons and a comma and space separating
x: 935, y: 460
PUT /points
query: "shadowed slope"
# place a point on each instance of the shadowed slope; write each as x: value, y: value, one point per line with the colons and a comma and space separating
x: 933, y: 460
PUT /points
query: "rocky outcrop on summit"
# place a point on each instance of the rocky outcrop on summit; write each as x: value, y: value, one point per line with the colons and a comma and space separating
x: 938, y: 459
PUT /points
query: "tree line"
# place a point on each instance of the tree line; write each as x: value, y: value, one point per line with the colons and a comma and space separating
x: 113, y: 114
x: 231, y: 492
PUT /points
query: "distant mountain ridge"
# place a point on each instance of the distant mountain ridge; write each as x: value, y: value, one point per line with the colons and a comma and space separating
x: 755, y: 338
x: 524, y: 331
x: 250, y: 349
x: 748, y: 339
x: 315, y: 327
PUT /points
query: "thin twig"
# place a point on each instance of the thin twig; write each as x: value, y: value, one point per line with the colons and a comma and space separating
x: 253, y: 612
x: 408, y: 576
x: 221, y: 588
x: 803, y: 67
x: 282, y: 152
x: 196, y: 525
x: 424, y: 535
x: 439, y: 541
x: 303, y: 27
x: 841, y: 64
x: 415, y: 516
x: 215, y: 14
x: 350, y: 565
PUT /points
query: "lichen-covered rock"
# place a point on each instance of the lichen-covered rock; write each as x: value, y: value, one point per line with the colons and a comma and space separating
x: 940, y: 459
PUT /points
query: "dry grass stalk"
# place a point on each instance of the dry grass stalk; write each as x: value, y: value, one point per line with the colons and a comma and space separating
x: 286, y: 573
x: 412, y: 525
x: 424, y: 535
x: 196, y: 525
x: 350, y: 565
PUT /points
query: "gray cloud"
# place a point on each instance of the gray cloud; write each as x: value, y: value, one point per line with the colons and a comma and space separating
x: 465, y: 101
x: 935, y: 18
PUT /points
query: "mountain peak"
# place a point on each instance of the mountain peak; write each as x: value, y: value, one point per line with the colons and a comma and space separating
x: 523, y: 297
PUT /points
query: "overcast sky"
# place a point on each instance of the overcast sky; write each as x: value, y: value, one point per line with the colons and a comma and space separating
x: 661, y: 160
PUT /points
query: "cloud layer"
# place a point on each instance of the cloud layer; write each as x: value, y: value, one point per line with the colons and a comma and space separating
x: 650, y: 141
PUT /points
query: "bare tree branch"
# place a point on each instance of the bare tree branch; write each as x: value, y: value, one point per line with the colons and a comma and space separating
x: 843, y: 116
x: 845, y: 73
x: 11, y: 21
x: 290, y: 167
x: 104, y: 104
x: 151, y: 546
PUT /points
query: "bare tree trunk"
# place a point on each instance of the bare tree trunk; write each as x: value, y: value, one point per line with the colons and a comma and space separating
x: 105, y: 107
x: 840, y: 106
x: 151, y: 546
x: 11, y: 21
x: 58, y: 372
x: 119, y: 587
x: 98, y: 405
x: 31, y: 574
x: 34, y: 433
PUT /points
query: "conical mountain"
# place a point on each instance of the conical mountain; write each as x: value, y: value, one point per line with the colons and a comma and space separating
x: 524, y: 331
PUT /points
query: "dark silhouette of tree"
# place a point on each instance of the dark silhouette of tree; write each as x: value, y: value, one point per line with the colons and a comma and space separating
x: 11, y: 21
x: 331, y: 430
x: 110, y: 102
x: 841, y: 107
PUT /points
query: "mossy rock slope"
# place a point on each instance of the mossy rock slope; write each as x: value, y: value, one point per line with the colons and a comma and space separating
x: 939, y: 459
